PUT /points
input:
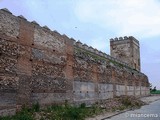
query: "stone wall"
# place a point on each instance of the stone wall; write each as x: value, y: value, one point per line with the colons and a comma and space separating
x: 38, y: 64
x: 105, y: 76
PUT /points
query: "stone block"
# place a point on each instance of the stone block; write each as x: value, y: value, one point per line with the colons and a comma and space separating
x: 105, y: 95
x: 105, y: 87
x: 7, y: 99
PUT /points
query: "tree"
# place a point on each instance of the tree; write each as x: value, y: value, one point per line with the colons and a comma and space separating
x: 154, y: 89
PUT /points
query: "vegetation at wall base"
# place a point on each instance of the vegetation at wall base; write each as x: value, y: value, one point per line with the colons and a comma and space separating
x: 55, y: 112
x: 71, y: 112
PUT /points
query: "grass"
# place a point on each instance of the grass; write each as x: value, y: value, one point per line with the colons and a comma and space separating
x: 94, y: 56
x: 55, y: 112
x: 101, y: 58
x: 72, y: 112
x: 155, y: 92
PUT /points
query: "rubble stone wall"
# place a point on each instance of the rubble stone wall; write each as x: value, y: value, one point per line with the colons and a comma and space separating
x: 40, y: 65
x: 126, y: 49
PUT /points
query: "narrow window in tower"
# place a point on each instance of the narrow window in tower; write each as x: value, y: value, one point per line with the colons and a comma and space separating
x: 139, y: 62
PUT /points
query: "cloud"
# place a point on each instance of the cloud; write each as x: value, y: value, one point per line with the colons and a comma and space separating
x: 125, y: 17
x: 153, y: 73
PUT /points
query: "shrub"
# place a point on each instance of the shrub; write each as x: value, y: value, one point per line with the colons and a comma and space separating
x: 126, y: 102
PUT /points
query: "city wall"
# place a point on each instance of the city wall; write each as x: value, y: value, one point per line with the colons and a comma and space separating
x: 40, y: 65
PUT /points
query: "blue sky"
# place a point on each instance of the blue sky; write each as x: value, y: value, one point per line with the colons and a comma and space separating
x: 94, y: 22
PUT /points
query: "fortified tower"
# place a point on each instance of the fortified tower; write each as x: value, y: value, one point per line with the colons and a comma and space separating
x: 127, y: 50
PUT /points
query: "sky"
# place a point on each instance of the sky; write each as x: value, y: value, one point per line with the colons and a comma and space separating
x: 94, y: 22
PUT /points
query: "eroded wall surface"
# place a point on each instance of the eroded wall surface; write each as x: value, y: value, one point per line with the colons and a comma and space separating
x: 40, y: 65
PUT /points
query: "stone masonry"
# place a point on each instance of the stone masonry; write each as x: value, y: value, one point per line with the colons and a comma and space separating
x: 126, y: 49
x: 40, y: 65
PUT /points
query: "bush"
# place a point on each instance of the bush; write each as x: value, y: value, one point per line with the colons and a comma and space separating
x: 126, y: 102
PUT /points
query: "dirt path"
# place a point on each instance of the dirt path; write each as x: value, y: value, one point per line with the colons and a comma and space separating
x: 146, y: 112
x: 147, y: 100
x: 150, y: 99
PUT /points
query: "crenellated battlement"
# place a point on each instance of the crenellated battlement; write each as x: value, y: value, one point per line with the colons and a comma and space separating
x: 51, y: 68
x: 124, y: 38
x: 99, y: 53
x: 78, y: 43
x: 6, y: 10
x: 126, y: 49
x: 34, y: 23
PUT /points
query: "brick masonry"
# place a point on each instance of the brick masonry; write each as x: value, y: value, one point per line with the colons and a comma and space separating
x: 37, y: 64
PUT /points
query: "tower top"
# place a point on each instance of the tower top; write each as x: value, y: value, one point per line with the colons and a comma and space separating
x: 126, y: 49
x: 124, y: 38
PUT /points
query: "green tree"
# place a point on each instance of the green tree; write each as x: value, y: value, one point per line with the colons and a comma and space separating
x: 154, y: 89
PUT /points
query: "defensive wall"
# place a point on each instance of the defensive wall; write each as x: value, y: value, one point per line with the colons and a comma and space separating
x: 126, y: 49
x: 40, y: 65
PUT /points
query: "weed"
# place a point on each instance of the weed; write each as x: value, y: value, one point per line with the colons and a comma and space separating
x: 36, y: 107
x: 126, y: 102
x: 83, y: 105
